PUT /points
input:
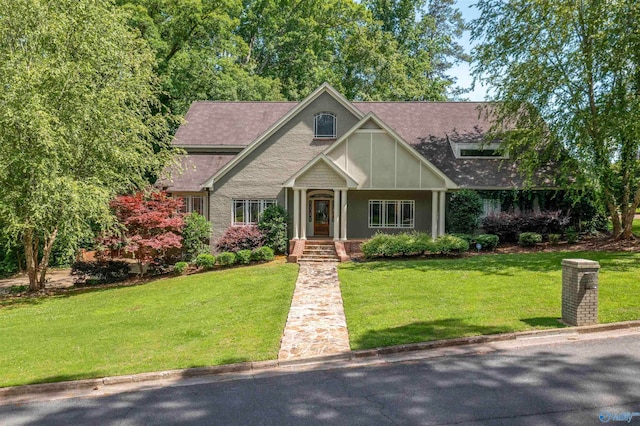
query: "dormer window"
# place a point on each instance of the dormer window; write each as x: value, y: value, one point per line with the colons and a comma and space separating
x: 324, y: 126
x: 478, y: 150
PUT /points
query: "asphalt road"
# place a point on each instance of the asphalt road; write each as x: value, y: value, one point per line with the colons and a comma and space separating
x: 563, y: 383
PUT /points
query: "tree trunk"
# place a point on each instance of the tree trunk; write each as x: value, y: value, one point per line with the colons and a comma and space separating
x: 615, y: 219
x: 31, y: 259
x: 44, y: 263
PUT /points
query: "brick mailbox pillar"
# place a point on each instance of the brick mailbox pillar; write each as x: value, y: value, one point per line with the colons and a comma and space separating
x: 580, y: 291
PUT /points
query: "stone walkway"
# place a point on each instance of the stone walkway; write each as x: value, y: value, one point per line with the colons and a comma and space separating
x: 316, y: 325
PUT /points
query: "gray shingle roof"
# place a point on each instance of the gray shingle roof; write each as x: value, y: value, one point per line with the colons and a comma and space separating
x: 228, y: 123
x: 193, y: 171
x: 428, y: 126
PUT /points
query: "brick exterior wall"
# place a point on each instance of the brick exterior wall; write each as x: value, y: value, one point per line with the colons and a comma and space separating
x: 261, y: 174
x: 321, y: 176
x: 580, y: 291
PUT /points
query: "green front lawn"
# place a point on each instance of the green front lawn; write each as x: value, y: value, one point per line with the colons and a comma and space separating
x: 205, y: 319
x: 395, y: 302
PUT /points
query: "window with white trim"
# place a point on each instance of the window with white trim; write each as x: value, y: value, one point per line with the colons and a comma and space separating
x: 391, y: 213
x: 324, y: 125
x: 193, y: 203
x: 248, y: 212
x: 490, y: 207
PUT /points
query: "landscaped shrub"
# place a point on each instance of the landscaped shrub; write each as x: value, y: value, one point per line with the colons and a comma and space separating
x: 205, y: 261
x: 488, y: 241
x: 273, y: 225
x: 572, y: 235
x: 376, y: 245
x: 465, y: 208
x: 470, y: 239
x: 262, y: 254
x: 226, y: 258
x: 243, y: 256
x: 508, y: 226
x: 529, y: 239
x: 238, y: 238
x: 554, y: 239
x: 446, y: 244
x: 180, y: 267
x: 388, y: 245
x: 195, y: 236
x: 99, y: 272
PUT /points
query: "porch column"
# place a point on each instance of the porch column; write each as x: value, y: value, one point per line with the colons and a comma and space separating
x: 343, y: 214
x: 442, y: 205
x: 296, y: 214
x: 434, y: 214
x: 336, y: 214
x: 303, y: 212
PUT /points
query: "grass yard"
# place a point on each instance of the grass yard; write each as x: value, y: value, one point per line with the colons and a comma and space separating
x: 395, y: 302
x: 205, y: 319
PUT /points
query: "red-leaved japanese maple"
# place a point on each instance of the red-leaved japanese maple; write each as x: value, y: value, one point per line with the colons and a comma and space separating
x: 151, y: 224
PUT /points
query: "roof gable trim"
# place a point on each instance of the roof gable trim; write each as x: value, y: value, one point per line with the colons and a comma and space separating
x: 384, y: 127
x: 351, y: 182
x: 324, y: 88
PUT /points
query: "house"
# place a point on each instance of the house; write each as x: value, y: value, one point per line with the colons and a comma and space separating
x: 343, y: 170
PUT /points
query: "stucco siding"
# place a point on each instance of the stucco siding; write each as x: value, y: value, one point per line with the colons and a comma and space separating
x: 358, y: 211
x: 261, y: 173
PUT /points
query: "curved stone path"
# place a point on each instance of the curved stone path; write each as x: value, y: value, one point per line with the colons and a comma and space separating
x: 316, y: 325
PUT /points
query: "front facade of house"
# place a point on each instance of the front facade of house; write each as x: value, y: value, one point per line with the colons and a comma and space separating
x: 342, y: 170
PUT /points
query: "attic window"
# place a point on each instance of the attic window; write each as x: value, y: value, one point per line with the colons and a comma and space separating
x: 324, y: 126
x: 479, y: 153
x: 478, y: 150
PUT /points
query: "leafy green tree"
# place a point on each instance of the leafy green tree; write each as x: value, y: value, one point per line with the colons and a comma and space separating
x: 77, y: 123
x: 199, y: 55
x: 465, y: 209
x: 195, y: 235
x: 567, y: 75
x: 272, y: 49
x: 425, y: 34
x: 273, y: 225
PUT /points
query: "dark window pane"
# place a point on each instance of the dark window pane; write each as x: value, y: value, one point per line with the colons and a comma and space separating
x: 325, y: 125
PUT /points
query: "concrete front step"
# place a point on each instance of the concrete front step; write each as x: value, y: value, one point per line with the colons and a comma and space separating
x: 319, y: 259
x: 319, y: 247
x: 318, y: 251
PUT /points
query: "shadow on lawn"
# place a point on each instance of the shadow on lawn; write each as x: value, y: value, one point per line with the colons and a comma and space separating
x: 503, y: 264
x: 424, y: 331
x: 546, y: 322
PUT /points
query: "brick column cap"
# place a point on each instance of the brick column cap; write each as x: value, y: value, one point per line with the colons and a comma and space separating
x: 581, y: 263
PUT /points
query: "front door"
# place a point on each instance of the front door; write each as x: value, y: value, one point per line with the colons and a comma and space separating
x: 321, y: 217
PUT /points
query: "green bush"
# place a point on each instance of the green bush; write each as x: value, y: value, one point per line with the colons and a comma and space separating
x: 205, y: 261
x: 273, y: 225
x: 388, y: 245
x: 488, y: 241
x: 226, y: 258
x: 195, y: 236
x: 180, y: 267
x: 469, y: 238
x: 529, y: 239
x: 572, y: 235
x: 99, y: 272
x: 554, y: 239
x: 465, y: 209
x: 243, y: 256
x: 446, y: 244
x: 262, y: 254
x: 375, y: 246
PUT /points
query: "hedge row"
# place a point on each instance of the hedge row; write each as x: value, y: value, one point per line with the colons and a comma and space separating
x: 227, y: 258
x: 509, y: 226
x: 416, y: 243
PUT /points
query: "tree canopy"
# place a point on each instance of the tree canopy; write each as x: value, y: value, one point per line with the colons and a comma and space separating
x: 567, y: 75
x: 273, y: 49
x: 77, y: 124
